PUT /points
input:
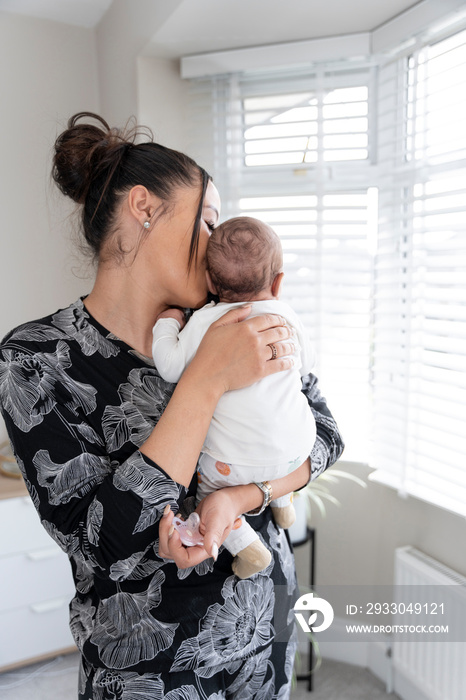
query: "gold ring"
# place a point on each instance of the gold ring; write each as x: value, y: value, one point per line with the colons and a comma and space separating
x: 274, y: 351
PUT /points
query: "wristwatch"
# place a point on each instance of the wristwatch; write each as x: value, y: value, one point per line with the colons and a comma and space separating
x: 266, y: 489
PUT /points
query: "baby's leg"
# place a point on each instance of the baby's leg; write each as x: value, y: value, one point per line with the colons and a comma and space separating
x: 250, y: 554
x: 283, y: 510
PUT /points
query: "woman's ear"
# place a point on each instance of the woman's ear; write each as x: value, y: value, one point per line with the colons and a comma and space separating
x: 210, y: 285
x: 277, y: 284
x: 143, y: 205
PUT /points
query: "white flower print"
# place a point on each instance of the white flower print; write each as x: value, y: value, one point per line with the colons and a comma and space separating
x: 154, y: 487
x: 125, y: 631
x: 38, y: 332
x: 284, y: 691
x: 85, y: 571
x: 81, y: 620
x: 250, y: 680
x: 30, y: 486
x: 84, y: 671
x: 229, y: 633
x: 204, y: 567
x: 87, y: 432
x: 113, y: 685
x: 134, y: 568
x: 279, y: 543
x: 143, y: 399
x: 74, y: 322
x: 95, y: 515
x: 68, y: 543
x: 185, y: 692
x: 28, y: 386
x: 74, y: 479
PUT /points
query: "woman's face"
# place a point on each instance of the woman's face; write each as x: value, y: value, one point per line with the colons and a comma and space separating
x: 180, y: 284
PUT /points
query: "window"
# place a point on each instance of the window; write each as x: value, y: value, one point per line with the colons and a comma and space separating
x: 361, y: 170
x: 293, y: 149
x: 420, y: 278
x: 290, y: 128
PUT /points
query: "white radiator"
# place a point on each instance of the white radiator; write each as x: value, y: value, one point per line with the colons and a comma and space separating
x: 434, y: 669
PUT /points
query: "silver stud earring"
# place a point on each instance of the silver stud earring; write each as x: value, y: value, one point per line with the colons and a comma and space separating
x: 146, y: 224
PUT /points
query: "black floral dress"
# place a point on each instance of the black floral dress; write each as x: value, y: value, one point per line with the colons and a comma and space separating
x: 77, y: 403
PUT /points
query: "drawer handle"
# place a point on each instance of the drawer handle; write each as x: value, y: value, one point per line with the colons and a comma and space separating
x: 48, y: 606
x: 41, y: 554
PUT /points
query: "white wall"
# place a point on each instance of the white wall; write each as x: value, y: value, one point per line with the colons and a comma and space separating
x: 162, y: 101
x: 121, y: 36
x: 47, y: 73
x: 356, y: 541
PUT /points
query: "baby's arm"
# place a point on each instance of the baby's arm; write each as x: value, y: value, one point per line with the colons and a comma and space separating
x: 167, y: 351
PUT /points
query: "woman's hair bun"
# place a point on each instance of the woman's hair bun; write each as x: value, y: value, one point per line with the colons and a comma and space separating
x: 85, y: 152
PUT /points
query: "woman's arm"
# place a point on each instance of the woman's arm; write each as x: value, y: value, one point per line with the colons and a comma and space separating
x: 329, y: 444
x: 231, y: 355
x: 218, y: 512
x: 222, y: 507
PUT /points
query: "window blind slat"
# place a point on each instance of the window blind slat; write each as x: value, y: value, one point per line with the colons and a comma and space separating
x: 420, y: 282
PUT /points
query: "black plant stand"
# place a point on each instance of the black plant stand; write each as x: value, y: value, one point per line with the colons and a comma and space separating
x: 311, y: 537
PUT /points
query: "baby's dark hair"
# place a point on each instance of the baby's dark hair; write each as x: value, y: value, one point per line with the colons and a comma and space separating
x: 244, y: 255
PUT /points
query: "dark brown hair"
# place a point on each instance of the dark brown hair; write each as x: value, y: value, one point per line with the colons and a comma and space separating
x: 244, y: 255
x: 97, y: 165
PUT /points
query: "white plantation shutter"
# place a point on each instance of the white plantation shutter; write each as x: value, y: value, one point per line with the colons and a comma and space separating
x: 420, y: 278
x: 361, y: 169
x: 293, y: 149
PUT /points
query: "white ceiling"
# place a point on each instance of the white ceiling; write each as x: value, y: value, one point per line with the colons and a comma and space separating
x: 82, y: 13
x: 198, y: 26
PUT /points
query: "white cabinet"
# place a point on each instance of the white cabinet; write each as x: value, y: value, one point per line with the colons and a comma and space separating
x: 36, y: 586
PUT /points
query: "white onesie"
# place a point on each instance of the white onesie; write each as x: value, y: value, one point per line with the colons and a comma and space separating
x: 260, y: 432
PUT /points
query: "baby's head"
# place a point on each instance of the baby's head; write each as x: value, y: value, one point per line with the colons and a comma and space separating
x: 244, y: 260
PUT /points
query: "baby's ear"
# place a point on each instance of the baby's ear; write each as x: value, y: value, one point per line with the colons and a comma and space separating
x: 210, y: 285
x: 277, y: 285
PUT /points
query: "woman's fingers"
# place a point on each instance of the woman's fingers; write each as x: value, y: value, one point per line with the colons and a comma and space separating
x: 171, y: 547
x: 267, y: 321
x: 276, y: 350
x: 234, y: 316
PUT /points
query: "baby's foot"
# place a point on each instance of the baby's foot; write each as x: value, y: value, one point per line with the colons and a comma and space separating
x: 251, y: 559
x: 284, y: 517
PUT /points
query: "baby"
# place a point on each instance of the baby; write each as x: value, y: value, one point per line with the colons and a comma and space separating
x: 263, y: 431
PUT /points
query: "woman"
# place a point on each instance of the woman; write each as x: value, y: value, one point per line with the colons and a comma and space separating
x: 108, y: 449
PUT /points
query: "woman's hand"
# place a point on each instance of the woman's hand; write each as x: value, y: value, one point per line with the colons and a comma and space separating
x: 171, y: 547
x: 218, y: 512
x: 237, y: 351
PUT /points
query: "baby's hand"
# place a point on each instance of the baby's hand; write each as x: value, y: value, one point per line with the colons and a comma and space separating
x: 175, y: 313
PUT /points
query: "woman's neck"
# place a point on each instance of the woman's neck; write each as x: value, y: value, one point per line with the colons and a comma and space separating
x: 124, y: 308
